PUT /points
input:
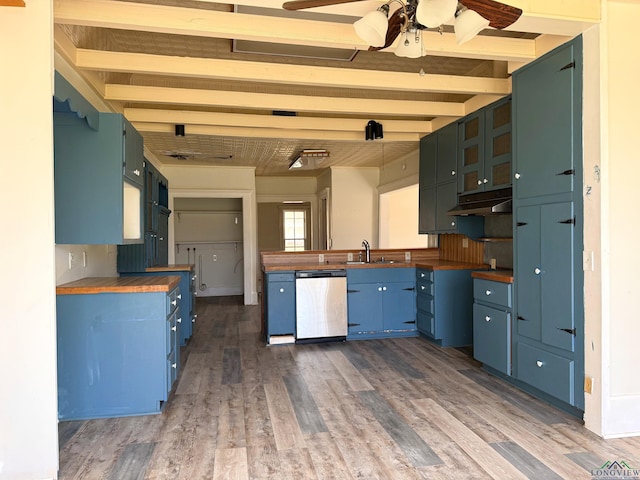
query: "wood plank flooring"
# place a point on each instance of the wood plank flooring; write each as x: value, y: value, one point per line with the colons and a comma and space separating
x: 378, y: 409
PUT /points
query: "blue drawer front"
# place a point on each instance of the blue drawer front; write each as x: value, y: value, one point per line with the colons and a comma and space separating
x: 281, y: 277
x: 422, y: 274
x: 380, y: 275
x: 424, y: 287
x: 425, y: 303
x: 492, y: 292
x: 546, y: 371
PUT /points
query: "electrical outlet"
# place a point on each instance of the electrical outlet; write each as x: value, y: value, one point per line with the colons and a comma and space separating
x: 321, y: 258
x: 407, y: 256
x: 493, y: 264
x: 588, y: 384
x: 215, y: 258
x: 350, y: 257
x: 85, y: 260
x: 72, y: 260
x: 465, y: 242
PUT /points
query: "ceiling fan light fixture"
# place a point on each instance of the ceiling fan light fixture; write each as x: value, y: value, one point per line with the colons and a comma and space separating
x: 468, y: 24
x: 410, y: 45
x: 297, y: 163
x: 372, y: 28
x: 433, y: 13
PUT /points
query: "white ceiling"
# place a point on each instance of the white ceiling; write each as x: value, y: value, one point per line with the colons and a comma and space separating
x: 168, y: 62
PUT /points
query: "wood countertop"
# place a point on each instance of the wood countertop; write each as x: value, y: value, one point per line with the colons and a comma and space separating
x: 171, y: 268
x: 434, y: 264
x: 504, y: 276
x: 91, y: 285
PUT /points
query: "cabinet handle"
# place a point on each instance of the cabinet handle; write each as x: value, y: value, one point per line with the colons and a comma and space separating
x: 174, y: 365
x: 136, y: 172
x: 282, y: 290
x: 537, y: 271
x: 179, y: 320
x: 174, y: 329
x: 161, y: 239
x: 487, y: 318
x: 539, y: 363
x: 179, y: 296
x: 479, y: 182
x: 488, y: 292
x: 422, y: 275
x: 174, y: 302
x: 485, y: 181
x: 516, y: 176
x: 453, y: 172
x: 422, y: 287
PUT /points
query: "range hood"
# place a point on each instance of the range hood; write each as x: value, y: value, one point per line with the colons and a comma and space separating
x: 495, y: 202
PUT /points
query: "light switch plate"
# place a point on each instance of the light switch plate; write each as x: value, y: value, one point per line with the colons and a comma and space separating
x: 350, y: 257
x: 407, y: 256
x: 321, y: 258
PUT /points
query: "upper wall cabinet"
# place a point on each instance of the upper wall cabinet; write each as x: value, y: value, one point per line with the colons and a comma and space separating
x: 484, y: 143
x: 548, y: 118
x: 98, y: 180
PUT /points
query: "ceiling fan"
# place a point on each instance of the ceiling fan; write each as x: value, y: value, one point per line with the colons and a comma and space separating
x: 380, y: 30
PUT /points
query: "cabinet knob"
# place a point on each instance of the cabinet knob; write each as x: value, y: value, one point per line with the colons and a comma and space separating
x: 453, y: 224
x: 479, y: 182
x: 487, y: 318
x: 453, y: 173
x: 422, y: 275
x: 179, y: 296
x: 384, y: 289
x: 282, y: 290
x: 136, y: 172
x: 379, y: 289
x: 539, y: 363
x: 488, y: 292
x: 174, y: 329
x: 179, y: 320
x: 174, y: 302
x: 537, y: 271
x: 516, y: 175
x: 485, y: 181
x: 422, y: 287
x: 161, y: 239
x: 174, y: 365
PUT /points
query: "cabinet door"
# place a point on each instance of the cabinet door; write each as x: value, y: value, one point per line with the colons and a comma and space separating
x: 399, y: 306
x: 528, y: 271
x: 428, y: 157
x: 281, y: 308
x: 446, y: 199
x: 545, y: 125
x: 447, y: 164
x: 557, y: 274
x: 497, y: 157
x: 364, y: 307
x: 132, y: 155
x: 471, y: 153
x: 427, y: 210
x: 492, y: 337
x: 163, y: 239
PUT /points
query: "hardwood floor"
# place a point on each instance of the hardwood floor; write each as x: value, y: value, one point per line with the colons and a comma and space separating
x: 376, y: 409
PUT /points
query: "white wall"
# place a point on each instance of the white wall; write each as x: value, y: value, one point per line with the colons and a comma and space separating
x: 399, y: 219
x: 620, y: 231
x: 88, y: 261
x: 354, y: 207
x: 28, y: 395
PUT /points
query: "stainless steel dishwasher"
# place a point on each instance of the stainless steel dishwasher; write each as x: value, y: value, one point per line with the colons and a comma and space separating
x: 321, y: 305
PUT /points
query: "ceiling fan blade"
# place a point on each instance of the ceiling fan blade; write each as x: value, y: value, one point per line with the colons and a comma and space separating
x: 302, y: 4
x: 396, y: 21
x: 499, y: 15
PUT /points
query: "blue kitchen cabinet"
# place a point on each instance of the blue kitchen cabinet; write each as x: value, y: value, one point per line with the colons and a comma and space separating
x: 117, y: 353
x: 98, y: 180
x: 155, y: 248
x: 548, y: 323
x: 186, y: 297
x: 438, y: 192
x: 547, y: 108
x: 280, y: 304
x: 484, y: 155
x: 381, y: 302
x: 492, y: 303
x: 444, y: 306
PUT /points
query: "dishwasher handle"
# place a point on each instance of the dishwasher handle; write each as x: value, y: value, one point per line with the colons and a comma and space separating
x: 320, y: 273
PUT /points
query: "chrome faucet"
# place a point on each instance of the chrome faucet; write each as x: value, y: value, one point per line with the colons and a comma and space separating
x: 367, y: 251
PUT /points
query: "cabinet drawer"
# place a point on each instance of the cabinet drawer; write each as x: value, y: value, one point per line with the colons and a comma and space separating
x: 492, y: 292
x: 424, y: 287
x: 426, y: 323
x: 546, y: 371
x: 425, y: 303
x: 172, y: 370
x: 380, y: 275
x: 281, y: 277
x: 426, y: 275
x: 172, y: 300
x: 172, y: 329
x: 492, y: 337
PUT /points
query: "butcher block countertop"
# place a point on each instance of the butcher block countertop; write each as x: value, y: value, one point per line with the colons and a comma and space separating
x: 433, y: 264
x: 93, y: 285
x: 504, y: 276
x: 171, y: 268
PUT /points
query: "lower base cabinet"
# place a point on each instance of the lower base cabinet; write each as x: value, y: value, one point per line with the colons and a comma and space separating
x: 381, y: 303
x: 280, y: 305
x: 492, y: 302
x: 118, y: 353
x: 444, y: 306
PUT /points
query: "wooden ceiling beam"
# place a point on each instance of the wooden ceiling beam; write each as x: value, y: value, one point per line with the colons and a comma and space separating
x: 287, y: 74
x: 186, y: 117
x: 294, y: 103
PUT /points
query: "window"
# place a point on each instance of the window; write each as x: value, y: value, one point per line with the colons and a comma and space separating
x: 294, y: 230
